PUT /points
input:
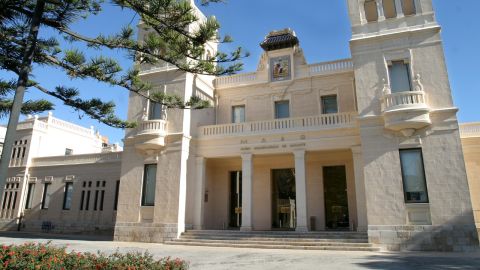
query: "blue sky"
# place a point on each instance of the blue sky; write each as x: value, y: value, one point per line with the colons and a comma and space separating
x: 324, y: 31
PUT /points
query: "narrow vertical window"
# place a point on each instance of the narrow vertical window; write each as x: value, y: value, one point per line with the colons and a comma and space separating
x: 329, y: 104
x: 30, y: 192
x: 156, y: 111
x: 23, y: 151
x: 389, y: 9
x: 14, y: 200
x: 117, y: 189
x: 282, y: 109
x: 46, y: 196
x: 399, y: 73
x: 4, y: 205
x: 149, y: 181
x: 87, y: 201
x: 238, y: 114
x: 82, y: 199
x: 102, y: 197
x: 9, y: 199
x: 371, y: 12
x: 67, y: 197
x: 95, y: 201
x: 413, y: 174
x: 408, y: 7
x: 13, y: 153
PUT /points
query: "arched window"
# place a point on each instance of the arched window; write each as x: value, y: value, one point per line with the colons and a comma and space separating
x: 408, y: 7
x: 371, y: 12
x: 389, y: 9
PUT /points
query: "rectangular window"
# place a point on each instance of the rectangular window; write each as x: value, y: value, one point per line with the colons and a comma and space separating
x: 413, y: 174
x: 408, y: 7
x: 46, y: 196
x: 156, y: 111
x: 67, y: 197
x: 399, y: 73
x: 14, y: 200
x: 117, y: 189
x: 102, y: 197
x: 30, y: 192
x: 282, y: 109
x: 149, y: 181
x: 238, y: 114
x: 82, y: 199
x: 95, y: 201
x: 87, y: 203
x: 389, y: 9
x: 329, y: 104
x: 371, y: 12
x: 4, y: 205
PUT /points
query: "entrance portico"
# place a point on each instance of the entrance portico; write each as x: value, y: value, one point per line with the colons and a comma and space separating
x: 264, y: 206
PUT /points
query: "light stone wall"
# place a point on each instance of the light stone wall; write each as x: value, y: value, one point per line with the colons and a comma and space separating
x: 73, y: 220
x: 471, y: 150
x: 218, y: 187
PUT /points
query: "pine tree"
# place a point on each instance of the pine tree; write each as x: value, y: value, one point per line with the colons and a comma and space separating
x: 169, y: 39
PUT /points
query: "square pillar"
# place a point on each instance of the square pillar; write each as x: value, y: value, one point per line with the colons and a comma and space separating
x: 399, y: 8
x: 247, y: 188
x: 301, y: 191
x: 199, y: 193
x: 362, y: 222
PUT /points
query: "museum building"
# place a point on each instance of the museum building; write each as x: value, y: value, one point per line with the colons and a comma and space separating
x: 367, y: 148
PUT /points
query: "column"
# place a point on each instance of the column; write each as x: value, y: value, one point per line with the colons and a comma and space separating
x: 199, y: 193
x: 362, y: 222
x: 301, y: 191
x: 399, y: 8
x: 380, y: 11
x: 247, y: 188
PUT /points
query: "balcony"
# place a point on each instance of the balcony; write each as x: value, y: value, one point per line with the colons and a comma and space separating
x: 310, y: 123
x: 406, y: 111
x: 150, y: 135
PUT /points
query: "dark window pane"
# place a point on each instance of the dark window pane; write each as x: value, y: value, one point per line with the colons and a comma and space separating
x: 67, y: 198
x: 413, y: 174
x: 371, y: 12
x: 46, y: 196
x: 282, y: 109
x: 117, y: 188
x: 238, y: 114
x: 149, y: 181
x: 30, y: 192
x: 156, y: 111
x: 329, y: 104
x: 399, y: 77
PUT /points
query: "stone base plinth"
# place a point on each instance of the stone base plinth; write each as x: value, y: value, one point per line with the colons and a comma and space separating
x: 456, y: 238
x: 145, y: 232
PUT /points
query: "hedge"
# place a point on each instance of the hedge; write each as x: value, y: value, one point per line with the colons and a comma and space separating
x: 46, y: 257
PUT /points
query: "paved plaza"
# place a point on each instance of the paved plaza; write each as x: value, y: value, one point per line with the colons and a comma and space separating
x: 253, y: 259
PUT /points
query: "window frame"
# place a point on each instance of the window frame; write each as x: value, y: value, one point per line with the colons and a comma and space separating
x: 44, y: 205
x: 233, y: 113
x: 407, y: 64
x: 30, y: 195
x: 420, y: 151
x: 144, y: 185
x: 322, y: 104
x: 285, y: 101
x: 66, y: 194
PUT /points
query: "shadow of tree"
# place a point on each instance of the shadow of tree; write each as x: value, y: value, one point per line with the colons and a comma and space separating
x: 424, y: 261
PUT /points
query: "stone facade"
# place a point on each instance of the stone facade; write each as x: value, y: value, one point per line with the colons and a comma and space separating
x: 344, y: 122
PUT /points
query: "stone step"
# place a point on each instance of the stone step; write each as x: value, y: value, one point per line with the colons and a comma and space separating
x: 277, y: 235
x: 268, y: 238
x: 270, y: 246
x: 298, y: 242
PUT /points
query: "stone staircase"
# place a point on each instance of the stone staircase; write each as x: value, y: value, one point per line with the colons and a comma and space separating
x: 343, y: 241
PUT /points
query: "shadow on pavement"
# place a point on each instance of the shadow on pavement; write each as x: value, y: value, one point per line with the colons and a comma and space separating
x: 402, y: 261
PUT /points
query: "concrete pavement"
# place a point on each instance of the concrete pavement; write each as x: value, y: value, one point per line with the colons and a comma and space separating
x: 253, y: 259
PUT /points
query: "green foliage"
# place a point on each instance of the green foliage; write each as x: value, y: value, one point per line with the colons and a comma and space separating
x: 169, y: 36
x: 47, y: 257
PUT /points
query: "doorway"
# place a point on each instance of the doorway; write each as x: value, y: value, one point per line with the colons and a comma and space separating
x: 235, y: 216
x: 336, y: 198
x: 283, y: 199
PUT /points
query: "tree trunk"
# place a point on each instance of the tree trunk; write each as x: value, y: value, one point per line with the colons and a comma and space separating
x: 25, y: 69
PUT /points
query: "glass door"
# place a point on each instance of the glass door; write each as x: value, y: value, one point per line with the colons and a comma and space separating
x: 283, y: 199
x: 336, y: 198
x: 235, y: 220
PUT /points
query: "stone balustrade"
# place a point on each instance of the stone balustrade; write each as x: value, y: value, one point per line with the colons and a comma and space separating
x: 331, y: 67
x: 238, y: 79
x: 319, y: 122
x: 152, y: 127
x: 402, y: 100
x: 77, y: 159
x: 469, y: 130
